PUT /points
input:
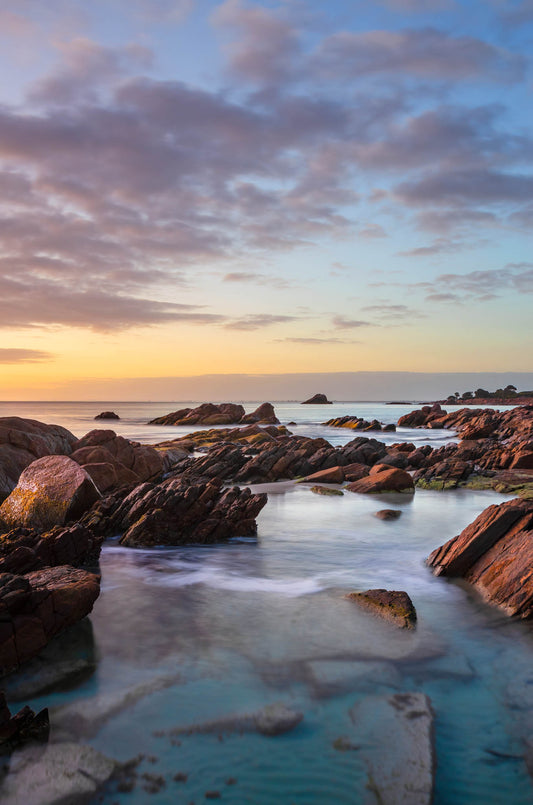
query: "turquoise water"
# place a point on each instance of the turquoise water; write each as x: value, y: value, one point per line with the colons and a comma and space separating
x: 185, y: 636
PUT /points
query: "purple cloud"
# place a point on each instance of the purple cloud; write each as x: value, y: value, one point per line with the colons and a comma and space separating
x: 423, y: 53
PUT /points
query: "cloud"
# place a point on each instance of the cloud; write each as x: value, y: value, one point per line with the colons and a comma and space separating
x: 86, y: 67
x: 257, y: 321
x: 394, y: 312
x: 265, y: 46
x: 342, y: 323
x: 316, y: 341
x: 481, y: 285
x: 48, y: 302
x: 256, y: 279
x: 517, y: 12
x: 372, y: 231
x: 426, y: 53
x: 439, y: 246
x: 464, y: 187
x: 24, y: 356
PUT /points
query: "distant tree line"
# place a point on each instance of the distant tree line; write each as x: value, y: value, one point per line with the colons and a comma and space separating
x: 508, y: 393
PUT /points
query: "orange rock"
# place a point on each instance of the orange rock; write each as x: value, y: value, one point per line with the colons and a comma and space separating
x: 334, y: 475
x: 383, y: 479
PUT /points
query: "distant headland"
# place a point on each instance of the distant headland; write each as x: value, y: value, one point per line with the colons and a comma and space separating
x: 506, y: 396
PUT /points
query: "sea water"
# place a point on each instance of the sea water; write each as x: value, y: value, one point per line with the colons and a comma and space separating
x: 184, y: 636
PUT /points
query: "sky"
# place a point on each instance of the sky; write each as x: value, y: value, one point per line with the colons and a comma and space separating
x: 192, y: 188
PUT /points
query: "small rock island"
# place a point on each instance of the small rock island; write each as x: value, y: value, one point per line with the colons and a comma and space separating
x: 317, y: 399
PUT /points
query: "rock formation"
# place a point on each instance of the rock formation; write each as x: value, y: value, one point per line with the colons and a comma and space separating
x: 495, y: 554
x: 383, y: 478
x: 25, y: 549
x: 223, y: 414
x: 51, y: 491
x: 176, y: 512
x: 358, y: 423
x: 317, y: 399
x: 392, y: 605
x: 113, y: 461
x: 24, y: 440
x: 36, y: 606
x: 107, y: 415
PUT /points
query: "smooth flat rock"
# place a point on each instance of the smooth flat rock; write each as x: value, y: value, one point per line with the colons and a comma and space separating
x: 397, y: 746
x: 62, y: 774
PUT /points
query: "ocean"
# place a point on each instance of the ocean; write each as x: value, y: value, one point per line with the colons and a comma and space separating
x: 184, y: 636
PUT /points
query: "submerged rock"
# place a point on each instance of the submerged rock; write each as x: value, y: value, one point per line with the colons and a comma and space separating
x: 61, y: 774
x: 51, y: 491
x: 107, y: 415
x: 494, y: 553
x: 326, y: 490
x: 388, y: 514
x: 397, y: 744
x: 273, y: 719
x: 84, y: 717
x: 392, y: 605
x: 24, y: 727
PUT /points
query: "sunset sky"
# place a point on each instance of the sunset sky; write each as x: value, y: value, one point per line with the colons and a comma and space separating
x: 191, y: 187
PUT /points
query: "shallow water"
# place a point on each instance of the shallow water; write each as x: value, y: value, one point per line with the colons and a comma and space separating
x: 226, y: 629
x: 186, y: 635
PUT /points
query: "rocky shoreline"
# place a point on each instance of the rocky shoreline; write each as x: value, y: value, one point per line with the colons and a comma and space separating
x: 62, y: 497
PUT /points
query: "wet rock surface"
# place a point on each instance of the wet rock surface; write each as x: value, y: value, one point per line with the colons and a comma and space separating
x: 24, y: 727
x: 358, y: 423
x: 38, y: 605
x: 392, y: 605
x: 494, y: 553
x: 177, y: 512
x: 25, y: 549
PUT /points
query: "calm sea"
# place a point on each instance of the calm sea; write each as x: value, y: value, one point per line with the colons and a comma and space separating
x: 187, y: 635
